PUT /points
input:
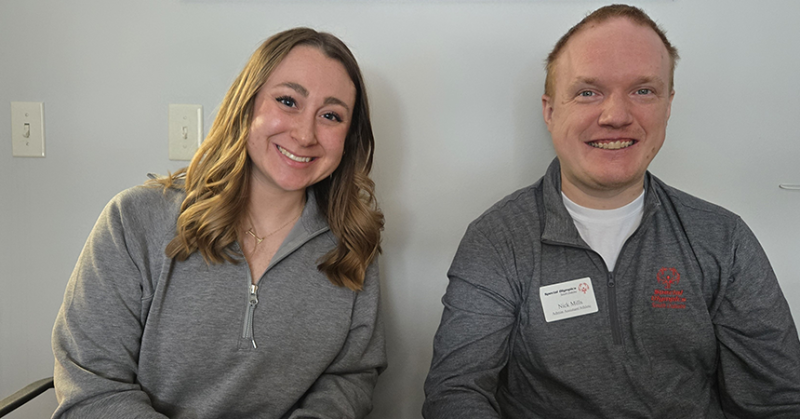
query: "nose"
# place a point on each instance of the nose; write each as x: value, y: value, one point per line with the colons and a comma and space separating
x: 303, y: 130
x: 616, y: 111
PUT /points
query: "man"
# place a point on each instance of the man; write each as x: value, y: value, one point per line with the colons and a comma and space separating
x: 599, y: 291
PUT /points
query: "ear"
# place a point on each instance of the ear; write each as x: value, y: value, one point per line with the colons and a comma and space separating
x: 669, y: 104
x: 547, y: 110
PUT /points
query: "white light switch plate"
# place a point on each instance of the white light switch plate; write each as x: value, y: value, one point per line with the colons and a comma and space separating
x: 185, y: 130
x: 27, y: 129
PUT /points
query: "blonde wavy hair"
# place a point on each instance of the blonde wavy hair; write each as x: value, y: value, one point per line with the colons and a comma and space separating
x: 217, y: 180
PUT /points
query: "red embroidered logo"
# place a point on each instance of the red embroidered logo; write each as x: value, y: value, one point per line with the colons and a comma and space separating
x: 668, y: 297
x: 668, y: 276
x: 583, y: 287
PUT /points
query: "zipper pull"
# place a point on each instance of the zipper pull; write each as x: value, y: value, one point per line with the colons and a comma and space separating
x: 251, y: 307
x: 253, y: 295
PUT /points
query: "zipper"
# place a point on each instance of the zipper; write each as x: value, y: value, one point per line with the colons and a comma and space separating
x: 611, y: 283
x: 616, y: 333
x: 247, y: 330
x: 247, y: 333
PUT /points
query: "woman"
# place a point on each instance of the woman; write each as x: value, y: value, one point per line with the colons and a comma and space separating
x: 245, y: 285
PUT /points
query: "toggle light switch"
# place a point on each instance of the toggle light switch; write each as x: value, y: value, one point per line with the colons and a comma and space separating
x: 185, y: 130
x: 27, y: 129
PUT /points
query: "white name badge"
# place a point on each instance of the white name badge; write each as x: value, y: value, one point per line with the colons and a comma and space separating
x: 568, y: 299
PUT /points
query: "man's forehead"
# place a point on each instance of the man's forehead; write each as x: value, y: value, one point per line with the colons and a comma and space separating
x: 619, y: 32
x: 617, y: 43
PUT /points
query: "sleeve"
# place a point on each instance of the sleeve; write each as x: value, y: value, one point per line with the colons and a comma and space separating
x: 97, y: 332
x: 759, y: 351
x: 344, y: 390
x: 471, y: 347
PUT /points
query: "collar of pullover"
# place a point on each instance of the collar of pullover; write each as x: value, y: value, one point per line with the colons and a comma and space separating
x: 311, y: 224
x: 558, y: 224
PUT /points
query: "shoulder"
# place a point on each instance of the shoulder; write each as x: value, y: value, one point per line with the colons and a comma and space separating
x: 505, y: 231
x: 149, y: 201
x: 708, y: 226
x: 692, y: 207
x: 513, y: 212
x: 149, y: 195
x: 147, y: 211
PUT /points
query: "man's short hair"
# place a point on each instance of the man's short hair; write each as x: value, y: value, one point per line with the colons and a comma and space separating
x: 600, y: 15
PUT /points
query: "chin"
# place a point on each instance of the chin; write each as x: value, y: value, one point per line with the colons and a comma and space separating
x: 619, y: 181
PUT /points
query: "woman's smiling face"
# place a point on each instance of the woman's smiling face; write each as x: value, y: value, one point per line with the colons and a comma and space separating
x: 301, y: 117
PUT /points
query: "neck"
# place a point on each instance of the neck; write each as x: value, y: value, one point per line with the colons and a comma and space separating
x: 267, y: 208
x: 603, y: 199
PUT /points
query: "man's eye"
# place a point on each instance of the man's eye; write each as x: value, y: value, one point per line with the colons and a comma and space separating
x: 586, y: 93
x: 332, y: 116
x: 287, y: 101
x: 644, y: 92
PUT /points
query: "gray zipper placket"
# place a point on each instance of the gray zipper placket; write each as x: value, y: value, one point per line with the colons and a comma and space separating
x: 252, y: 298
x: 611, y: 283
x: 616, y: 327
x: 616, y: 332
x: 247, y: 332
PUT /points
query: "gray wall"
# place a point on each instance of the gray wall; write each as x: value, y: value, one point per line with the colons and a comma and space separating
x: 455, y: 91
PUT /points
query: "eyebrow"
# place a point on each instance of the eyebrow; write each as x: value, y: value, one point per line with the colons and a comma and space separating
x: 584, y: 80
x: 649, y: 79
x: 296, y: 87
x: 330, y: 100
x: 641, y: 80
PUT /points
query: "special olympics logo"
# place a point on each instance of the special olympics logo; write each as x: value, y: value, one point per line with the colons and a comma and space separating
x: 669, y: 276
x: 583, y: 287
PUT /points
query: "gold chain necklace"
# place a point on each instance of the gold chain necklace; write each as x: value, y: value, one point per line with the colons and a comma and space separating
x: 251, y: 230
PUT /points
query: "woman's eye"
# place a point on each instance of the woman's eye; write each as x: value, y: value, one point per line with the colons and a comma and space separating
x: 332, y: 116
x: 286, y: 101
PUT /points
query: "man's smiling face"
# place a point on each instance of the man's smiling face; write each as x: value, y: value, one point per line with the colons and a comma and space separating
x: 609, y: 110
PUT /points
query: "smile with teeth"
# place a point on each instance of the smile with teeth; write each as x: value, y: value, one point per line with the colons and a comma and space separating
x: 612, y: 145
x: 286, y: 153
